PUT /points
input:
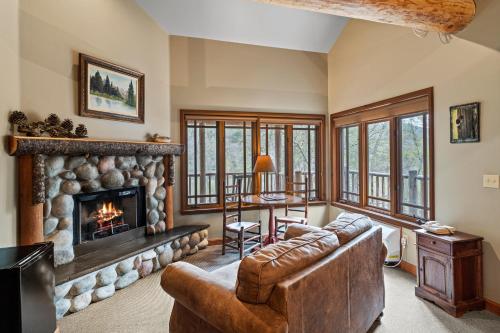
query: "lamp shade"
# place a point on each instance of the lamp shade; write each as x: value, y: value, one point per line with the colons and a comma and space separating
x: 264, y: 163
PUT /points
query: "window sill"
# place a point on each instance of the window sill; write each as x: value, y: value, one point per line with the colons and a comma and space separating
x: 378, y: 216
x: 194, y: 211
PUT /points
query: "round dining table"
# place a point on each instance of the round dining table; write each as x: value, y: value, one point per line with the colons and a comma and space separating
x: 282, y: 199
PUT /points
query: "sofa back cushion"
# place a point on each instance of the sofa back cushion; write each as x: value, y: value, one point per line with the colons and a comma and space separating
x: 259, y: 273
x: 348, y: 226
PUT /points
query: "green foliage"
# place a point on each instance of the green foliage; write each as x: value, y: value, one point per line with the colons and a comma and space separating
x: 96, y: 84
x: 104, y: 88
x: 131, y: 100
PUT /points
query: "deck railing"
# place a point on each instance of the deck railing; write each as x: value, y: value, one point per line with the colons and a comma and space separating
x: 206, y: 186
x: 412, y: 190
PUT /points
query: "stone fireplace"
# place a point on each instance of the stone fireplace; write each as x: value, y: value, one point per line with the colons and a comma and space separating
x: 108, y: 208
x: 76, y: 184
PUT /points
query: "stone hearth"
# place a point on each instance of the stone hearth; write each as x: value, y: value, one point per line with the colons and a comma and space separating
x: 77, y: 294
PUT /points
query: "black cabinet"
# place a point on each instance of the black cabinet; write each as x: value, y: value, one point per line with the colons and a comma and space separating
x: 27, y: 289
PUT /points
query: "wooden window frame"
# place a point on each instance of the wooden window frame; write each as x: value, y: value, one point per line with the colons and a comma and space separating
x: 258, y: 118
x: 391, y: 109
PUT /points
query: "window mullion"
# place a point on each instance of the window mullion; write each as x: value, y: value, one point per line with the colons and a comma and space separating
x: 309, y: 158
x: 244, y: 157
x: 255, y: 151
x: 195, y: 145
x: 393, y: 165
x: 288, y: 156
x: 363, y: 166
x: 425, y: 183
x: 221, y: 159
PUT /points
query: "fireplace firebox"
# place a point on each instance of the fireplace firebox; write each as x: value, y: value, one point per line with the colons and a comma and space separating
x: 108, y: 217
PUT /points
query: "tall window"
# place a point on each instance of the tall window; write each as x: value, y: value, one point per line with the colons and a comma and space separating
x: 349, y: 163
x: 221, y: 147
x: 202, y: 166
x: 414, y: 180
x: 379, y: 164
x: 304, y: 155
x: 238, y: 154
x: 383, y: 155
x: 272, y: 143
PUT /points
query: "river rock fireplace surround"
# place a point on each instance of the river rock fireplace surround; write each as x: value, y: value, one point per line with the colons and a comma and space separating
x: 108, y: 208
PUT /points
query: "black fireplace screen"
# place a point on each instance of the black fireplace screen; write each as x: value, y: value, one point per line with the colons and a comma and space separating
x: 103, y: 214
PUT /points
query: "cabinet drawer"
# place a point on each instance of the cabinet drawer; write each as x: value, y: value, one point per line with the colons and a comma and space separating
x: 434, y: 244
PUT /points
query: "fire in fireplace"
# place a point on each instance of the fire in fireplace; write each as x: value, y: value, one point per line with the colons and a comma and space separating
x: 106, y: 221
x: 111, y: 215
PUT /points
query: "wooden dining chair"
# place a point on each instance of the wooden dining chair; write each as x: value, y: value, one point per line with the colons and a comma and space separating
x: 296, y: 189
x: 237, y: 234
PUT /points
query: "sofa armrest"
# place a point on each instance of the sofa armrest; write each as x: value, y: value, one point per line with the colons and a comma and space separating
x: 297, y: 229
x: 215, y: 302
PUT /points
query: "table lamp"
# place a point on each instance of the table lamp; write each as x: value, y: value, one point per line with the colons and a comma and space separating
x: 264, y: 163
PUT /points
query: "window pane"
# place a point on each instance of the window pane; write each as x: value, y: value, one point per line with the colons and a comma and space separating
x: 379, y: 165
x: 272, y: 142
x: 202, y: 162
x: 304, y: 156
x: 238, y: 148
x: 413, y: 179
x: 349, y: 163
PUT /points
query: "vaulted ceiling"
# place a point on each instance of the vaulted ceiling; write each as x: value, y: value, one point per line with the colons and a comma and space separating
x: 248, y: 22
x: 309, y: 25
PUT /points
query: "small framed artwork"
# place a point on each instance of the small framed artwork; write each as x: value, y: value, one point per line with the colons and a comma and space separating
x: 464, y: 123
x: 110, y: 91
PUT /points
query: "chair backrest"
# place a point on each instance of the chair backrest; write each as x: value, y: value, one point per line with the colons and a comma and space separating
x: 299, y: 188
x: 232, y: 202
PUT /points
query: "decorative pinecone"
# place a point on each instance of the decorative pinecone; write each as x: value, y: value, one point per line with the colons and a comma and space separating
x: 23, y: 128
x: 17, y: 118
x: 81, y: 131
x: 53, y: 132
x: 53, y: 119
x: 67, y: 124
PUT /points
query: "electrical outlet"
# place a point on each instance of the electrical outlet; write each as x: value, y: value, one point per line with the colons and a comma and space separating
x: 491, y: 181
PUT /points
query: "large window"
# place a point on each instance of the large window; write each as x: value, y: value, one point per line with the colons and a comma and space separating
x: 202, y: 166
x: 383, y: 158
x: 221, y: 147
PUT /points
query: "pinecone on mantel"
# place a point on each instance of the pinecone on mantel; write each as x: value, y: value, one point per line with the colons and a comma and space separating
x: 51, y: 126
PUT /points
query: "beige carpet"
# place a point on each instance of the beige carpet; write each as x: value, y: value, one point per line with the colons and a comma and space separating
x: 144, y: 307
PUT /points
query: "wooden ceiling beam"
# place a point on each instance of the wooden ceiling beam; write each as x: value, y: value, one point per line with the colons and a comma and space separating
x: 448, y: 16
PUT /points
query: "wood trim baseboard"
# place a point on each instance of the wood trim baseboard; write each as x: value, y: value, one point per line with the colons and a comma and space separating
x: 215, y: 241
x: 409, y: 268
x: 492, y: 306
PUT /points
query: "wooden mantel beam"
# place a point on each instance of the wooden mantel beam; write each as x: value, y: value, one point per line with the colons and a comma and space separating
x: 22, y: 145
x: 448, y: 16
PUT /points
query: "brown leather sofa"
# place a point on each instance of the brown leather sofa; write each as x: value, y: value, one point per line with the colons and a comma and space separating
x: 317, y: 280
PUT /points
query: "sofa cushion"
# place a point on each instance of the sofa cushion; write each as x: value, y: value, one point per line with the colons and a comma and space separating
x: 259, y: 273
x: 298, y: 229
x: 348, y: 226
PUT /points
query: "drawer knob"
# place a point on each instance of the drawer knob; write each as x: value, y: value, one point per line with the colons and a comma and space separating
x: 433, y: 242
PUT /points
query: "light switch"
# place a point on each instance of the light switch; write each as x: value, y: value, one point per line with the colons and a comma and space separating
x: 491, y: 181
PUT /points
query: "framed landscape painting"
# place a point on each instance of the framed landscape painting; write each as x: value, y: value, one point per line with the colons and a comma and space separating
x: 110, y: 91
x: 464, y: 123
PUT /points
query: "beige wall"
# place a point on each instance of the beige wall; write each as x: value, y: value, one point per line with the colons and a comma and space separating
x: 228, y: 76
x: 371, y: 62
x: 9, y: 100
x: 51, y: 34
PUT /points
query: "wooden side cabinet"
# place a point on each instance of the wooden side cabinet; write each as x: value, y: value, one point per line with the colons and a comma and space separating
x: 450, y: 271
